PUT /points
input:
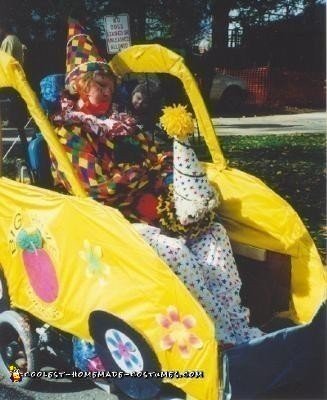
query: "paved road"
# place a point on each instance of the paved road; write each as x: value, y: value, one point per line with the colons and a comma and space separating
x: 272, y: 125
x: 308, y: 123
x: 56, y: 390
x: 66, y: 389
x: 267, y: 125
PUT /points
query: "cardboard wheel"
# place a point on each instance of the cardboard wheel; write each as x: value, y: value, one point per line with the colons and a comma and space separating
x: 17, y: 347
x: 125, y: 351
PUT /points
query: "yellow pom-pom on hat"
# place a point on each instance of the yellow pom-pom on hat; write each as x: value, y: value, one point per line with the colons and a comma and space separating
x: 177, y: 121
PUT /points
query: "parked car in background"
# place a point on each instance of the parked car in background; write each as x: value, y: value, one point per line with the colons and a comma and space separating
x: 227, y: 92
x: 221, y: 92
x: 279, y: 87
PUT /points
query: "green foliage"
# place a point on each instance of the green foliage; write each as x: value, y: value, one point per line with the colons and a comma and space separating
x: 260, y: 12
x: 169, y: 17
x: 45, y: 19
x: 179, y: 20
x: 252, y: 12
x: 39, y: 19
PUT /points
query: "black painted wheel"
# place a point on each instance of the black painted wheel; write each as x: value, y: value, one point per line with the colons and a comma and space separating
x: 124, y: 350
x: 4, y: 295
x: 17, y: 346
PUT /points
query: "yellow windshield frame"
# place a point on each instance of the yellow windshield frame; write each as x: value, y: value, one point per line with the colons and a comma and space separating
x: 154, y: 58
x: 13, y: 76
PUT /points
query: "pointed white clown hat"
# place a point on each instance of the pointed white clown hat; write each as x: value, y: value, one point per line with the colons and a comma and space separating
x: 194, y: 197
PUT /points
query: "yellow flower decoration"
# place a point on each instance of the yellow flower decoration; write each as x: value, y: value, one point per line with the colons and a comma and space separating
x: 95, y: 266
x: 178, y: 332
x: 177, y: 122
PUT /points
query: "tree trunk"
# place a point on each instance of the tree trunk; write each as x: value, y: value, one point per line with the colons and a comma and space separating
x: 310, y: 7
x: 141, y: 16
x: 220, y: 22
x: 137, y: 14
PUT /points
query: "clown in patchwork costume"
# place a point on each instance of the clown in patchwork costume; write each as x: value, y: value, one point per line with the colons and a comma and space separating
x: 115, y: 161
x: 120, y: 166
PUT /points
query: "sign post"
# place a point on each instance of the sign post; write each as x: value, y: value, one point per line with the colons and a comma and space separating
x: 118, y: 34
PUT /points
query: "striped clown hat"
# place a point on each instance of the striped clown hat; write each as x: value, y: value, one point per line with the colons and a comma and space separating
x: 81, y: 54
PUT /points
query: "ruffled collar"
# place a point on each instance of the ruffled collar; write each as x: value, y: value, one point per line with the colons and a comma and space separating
x: 98, y: 110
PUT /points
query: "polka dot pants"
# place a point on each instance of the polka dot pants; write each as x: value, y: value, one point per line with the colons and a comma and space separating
x: 207, y: 267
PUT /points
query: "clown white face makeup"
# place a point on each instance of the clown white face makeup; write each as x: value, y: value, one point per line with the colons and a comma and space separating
x: 101, y: 90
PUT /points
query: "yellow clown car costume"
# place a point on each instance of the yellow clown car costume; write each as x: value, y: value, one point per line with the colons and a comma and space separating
x: 64, y: 259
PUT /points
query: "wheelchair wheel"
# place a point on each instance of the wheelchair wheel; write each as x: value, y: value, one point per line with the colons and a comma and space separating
x: 4, y: 296
x: 125, y: 351
x: 17, y: 348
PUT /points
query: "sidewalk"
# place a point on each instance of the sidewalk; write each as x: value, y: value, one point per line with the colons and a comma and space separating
x: 268, y: 125
x: 309, y: 123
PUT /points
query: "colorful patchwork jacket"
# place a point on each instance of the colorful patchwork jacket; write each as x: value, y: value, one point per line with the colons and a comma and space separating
x: 118, y: 165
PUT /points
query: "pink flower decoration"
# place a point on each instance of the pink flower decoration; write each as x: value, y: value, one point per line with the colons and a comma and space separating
x: 178, y: 332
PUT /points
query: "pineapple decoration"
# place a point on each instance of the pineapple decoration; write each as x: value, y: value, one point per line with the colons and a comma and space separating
x: 38, y: 265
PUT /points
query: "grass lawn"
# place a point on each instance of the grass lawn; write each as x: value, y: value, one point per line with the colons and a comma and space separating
x: 292, y: 165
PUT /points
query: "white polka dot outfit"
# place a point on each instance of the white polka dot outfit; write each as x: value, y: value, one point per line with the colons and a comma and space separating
x: 207, y: 267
